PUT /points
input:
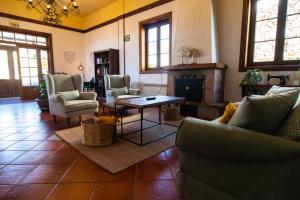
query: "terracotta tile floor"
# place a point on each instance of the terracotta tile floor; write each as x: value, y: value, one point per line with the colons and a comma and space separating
x: 36, y: 165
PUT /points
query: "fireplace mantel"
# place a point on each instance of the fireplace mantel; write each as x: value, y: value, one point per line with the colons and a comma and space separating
x: 213, y: 75
x: 196, y: 66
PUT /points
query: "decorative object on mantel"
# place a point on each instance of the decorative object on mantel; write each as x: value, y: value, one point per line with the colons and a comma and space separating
x: 194, y: 54
x: 252, y: 77
x: 183, y: 52
x: 53, y: 10
x: 283, y: 79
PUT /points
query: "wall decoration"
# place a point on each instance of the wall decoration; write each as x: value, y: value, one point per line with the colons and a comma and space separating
x: 69, y: 56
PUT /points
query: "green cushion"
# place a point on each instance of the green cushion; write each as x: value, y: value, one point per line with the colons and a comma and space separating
x: 70, y: 95
x: 63, y: 83
x: 120, y: 91
x: 117, y: 81
x: 264, y: 113
x: 290, y: 128
x: 277, y: 89
x: 77, y: 105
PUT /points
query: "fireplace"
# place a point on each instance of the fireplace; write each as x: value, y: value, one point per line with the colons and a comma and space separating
x: 202, y: 85
x: 189, y: 87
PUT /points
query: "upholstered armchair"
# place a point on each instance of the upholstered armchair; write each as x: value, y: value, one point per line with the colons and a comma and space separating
x: 118, y: 87
x: 66, y: 98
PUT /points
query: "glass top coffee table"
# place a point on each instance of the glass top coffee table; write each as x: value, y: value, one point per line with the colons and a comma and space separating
x: 141, y: 103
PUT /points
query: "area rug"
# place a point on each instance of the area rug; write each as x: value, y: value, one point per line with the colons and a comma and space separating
x: 123, y: 154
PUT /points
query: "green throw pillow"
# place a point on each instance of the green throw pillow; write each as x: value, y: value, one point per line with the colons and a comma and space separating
x: 278, y: 90
x: 120, y: 91
x: 70, y: 95
x: 264, y: 113
x: 290, y: 128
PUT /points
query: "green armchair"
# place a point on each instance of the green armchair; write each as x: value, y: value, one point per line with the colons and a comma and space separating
x: 66, y: 98
x: 220, y: 162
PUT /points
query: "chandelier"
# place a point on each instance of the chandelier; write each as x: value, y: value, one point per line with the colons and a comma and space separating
x: 53, y: 10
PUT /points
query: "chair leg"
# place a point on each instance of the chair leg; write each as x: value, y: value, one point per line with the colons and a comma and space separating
x: 69, y: 122
x: 54, y: 118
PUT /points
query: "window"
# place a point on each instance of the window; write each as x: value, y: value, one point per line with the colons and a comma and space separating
x: 271, y: 35
x: 155, y: 43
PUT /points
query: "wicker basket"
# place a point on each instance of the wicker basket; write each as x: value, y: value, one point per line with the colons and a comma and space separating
x: 97, y: 134
x: 171, y: 114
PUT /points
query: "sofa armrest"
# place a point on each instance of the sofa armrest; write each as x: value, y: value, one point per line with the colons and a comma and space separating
x: 88, y: 96
x: 224, y: 142
x: 58, y: 98
x: 134, y: 92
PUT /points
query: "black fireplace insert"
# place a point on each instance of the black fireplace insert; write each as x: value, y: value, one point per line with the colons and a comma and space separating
x: 189, y: 87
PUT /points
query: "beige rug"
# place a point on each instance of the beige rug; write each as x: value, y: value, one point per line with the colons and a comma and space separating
x: 123, y: 154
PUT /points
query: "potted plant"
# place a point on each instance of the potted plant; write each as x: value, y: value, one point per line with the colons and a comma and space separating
x: 194, y: 54
x: 42, y: 100
x: 251, y: 79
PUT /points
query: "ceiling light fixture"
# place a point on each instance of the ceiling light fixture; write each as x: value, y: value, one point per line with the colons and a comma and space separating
x: 53, y: 10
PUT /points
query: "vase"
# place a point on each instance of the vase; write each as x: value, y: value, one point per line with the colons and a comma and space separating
x: 194, y: 60
x: 182, y: 60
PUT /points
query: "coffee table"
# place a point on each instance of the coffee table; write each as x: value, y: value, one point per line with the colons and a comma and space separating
x: 142, y: 103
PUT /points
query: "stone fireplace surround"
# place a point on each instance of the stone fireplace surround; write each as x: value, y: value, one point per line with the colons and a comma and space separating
x: 212, y: 104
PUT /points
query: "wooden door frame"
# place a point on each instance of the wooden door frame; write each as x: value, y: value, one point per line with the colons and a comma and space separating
x: 11, y: 68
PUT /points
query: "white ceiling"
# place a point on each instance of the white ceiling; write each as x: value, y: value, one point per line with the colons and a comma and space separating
x: 87, y: 7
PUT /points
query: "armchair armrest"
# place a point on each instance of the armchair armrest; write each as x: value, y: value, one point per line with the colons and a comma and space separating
x: 58, y: 98
x: 218, y: 141
x: 134, y: 92
x: 88, y: 96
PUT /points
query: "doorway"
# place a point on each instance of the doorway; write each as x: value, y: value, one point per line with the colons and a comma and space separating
x: 24, y: 57
x: 9, y: 72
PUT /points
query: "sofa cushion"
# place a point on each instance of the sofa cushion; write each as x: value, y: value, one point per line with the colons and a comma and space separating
x: 70, y: 95
x: 277, y: 89
x: 77, y: 105
x: 264, y: 113
x: 117, y: 81
x: 290, y: 128
x: 128, y: 96
x: 120, y: 91
x: 63, y: 83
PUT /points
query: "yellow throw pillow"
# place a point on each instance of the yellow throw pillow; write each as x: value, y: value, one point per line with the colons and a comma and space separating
x: 229, y: 112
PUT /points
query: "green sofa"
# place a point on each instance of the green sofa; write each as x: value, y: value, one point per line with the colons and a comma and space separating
x: 221, y: 162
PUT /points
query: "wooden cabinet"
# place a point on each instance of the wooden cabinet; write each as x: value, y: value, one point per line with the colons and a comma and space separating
x: 106, y: 62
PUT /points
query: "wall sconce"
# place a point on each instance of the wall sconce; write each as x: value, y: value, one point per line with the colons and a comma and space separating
x: 81, y: 68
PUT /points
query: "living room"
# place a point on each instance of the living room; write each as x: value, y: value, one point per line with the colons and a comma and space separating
x: 149, y: 99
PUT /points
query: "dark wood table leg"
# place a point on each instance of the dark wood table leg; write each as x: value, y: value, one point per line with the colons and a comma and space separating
x: 121, y: 122
x: 116, y: 123
x: 142, y: 117
x: 159, y: 114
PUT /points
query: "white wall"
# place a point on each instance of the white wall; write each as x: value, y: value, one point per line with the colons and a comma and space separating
x: 191, y: 27
x: 62, y: 40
